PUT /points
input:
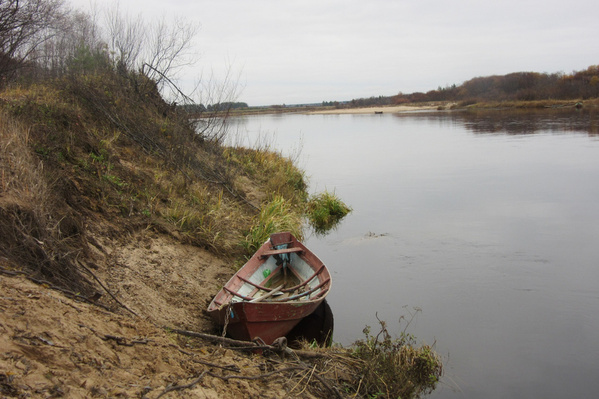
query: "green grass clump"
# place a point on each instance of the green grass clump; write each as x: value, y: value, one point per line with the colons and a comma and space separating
x: 325, y: 211
x: 277, y: 173
x: 396, y: 367
x: 275, y: 216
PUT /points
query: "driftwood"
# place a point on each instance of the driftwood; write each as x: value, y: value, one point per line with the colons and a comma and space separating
x: 254, y: 377
x: 234, y: 344
x: 216, y: 338
x: 279, y: 346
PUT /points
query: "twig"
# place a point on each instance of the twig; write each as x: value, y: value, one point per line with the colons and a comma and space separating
x: 230, y: 367
x: 48, y: 284
x: 185, y: 96
x: 245, y: 345
x: 106, y: 289
x: 180, y: 387
x: 123, y: 341
x: 249, y: 377
x: 217, y: 339
x: 301, y: 379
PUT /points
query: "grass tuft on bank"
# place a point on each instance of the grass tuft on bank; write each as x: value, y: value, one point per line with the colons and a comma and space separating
x: 325, y: 210
x: 275, y: 216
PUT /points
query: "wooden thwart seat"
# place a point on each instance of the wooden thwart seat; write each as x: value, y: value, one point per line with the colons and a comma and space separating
x: 271, y: 252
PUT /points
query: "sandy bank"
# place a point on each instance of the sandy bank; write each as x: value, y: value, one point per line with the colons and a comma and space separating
x: 372, y: 110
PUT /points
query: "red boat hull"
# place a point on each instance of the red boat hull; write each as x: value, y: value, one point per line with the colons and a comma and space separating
x: 267, y: 321
x: 245, y: 319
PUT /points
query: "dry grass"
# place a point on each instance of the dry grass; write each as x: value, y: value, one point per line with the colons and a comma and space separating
x: 276, y: 173
x: 275, y: 216
x: 21, y: 174
x: 108, y: 143
x: 37, y: 230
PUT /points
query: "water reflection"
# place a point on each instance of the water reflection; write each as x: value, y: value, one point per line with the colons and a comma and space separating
x: 517, y: 122
x: 318, y: 327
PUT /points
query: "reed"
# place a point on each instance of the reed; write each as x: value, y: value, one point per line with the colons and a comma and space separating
x: 379, y: 365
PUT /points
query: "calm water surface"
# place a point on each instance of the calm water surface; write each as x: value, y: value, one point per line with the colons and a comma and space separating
x: 488, y: 223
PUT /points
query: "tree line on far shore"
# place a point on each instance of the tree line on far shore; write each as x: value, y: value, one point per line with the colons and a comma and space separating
x: 517, y: 86
x: 218, y: 107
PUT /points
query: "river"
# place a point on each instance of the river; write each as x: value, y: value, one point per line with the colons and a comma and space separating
x: 481, y: 228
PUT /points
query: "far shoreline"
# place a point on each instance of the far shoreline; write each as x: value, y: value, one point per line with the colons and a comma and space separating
x: 391, y: 109
x: 417, y: 107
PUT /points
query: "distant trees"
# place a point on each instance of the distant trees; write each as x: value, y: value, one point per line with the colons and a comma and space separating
x: 584, y: 82
x: 201, y: 109
x: 76, y: 45
x: 371, y: 101
x: 228, y: 105
x: 522, y: 86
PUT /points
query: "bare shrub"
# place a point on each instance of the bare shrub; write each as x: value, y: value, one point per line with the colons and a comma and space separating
x: 24, y: 26
x: 396, y: 367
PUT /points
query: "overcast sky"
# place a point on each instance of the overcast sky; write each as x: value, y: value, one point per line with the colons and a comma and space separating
x: 304, y: 51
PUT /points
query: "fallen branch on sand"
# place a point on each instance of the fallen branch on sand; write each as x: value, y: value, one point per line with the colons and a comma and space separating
x: 234, y: 344
x: 191, y: 384
x: 279, y: 347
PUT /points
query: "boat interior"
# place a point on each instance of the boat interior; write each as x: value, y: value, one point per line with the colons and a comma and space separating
x: 280, y: 275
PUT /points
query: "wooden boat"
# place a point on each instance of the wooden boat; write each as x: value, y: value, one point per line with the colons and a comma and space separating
x: 282, y: 283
